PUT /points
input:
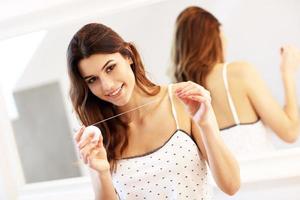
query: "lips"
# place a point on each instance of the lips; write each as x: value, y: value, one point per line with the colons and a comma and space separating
x: 116, y: 92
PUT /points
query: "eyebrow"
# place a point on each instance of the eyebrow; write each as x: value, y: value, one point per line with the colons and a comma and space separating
x: 101, y: 69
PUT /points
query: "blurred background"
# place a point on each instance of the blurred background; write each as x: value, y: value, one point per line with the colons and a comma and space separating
x: 38, y: 156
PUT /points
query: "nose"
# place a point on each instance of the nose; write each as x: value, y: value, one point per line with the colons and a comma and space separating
x: 107, y: 85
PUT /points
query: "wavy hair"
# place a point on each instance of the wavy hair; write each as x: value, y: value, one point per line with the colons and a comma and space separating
x: 197, y: 45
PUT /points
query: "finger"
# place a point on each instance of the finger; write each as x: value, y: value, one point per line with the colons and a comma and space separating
x: 185, y: 86
x: 180, y: 86
x: 189, y: 99
x: 93, y: 153
x: 281, y: 50
x: 206, y: 98
x: 203, y: 107
x: 86, y: 151
x: 100, y: 141
x: 197, y: 98
x: 205, y: 95
x: 185, y: 89
x: 195, y: 90
x: 90, y: 157
x: 185, y: 100
x: 88, y: 140
x: 79, y: 134
x: 284, y: 48
x: 87, y: 148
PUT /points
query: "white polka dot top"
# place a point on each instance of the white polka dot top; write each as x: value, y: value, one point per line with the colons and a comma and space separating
x: 173, y: 171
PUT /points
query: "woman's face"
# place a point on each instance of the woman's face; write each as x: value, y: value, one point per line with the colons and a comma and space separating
x: 109, y: 77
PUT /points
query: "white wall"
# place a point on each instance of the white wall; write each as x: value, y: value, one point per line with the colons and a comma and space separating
x: 11, y: 176
x: 2, y: 191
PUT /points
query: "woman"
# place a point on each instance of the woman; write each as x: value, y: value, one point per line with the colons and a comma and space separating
x: 157, y: 151
x: 242, y: 103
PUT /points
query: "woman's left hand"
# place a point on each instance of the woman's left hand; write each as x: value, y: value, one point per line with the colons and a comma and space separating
x: 196, y: 98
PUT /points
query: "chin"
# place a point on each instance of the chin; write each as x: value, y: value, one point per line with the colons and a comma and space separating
x: 122, y: 102
x: 125, y: 97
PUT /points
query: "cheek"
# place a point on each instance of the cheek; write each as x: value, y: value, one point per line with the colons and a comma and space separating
x: 95, y: 89
x: 125, y: 74
x: 131, y: 78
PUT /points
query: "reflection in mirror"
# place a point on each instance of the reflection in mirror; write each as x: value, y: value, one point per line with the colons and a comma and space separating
x: 243, y: 104
x: 250, y: 141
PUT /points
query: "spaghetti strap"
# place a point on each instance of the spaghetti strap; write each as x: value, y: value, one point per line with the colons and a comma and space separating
x: 231, y: 104
x: 173, y: 106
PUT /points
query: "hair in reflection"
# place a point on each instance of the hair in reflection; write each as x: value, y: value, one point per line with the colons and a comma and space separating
x: 197, y: 45
x: 99, y: 39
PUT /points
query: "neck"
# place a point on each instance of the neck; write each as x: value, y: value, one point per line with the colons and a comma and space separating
x: 136, y: 102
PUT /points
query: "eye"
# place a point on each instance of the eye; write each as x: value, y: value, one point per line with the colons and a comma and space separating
x: 110, y: 68
x: 91, y: 80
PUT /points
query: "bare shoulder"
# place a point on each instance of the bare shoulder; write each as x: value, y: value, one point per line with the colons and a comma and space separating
x: 181, y: 110
x: 241, y: 68
x: 243, y: 71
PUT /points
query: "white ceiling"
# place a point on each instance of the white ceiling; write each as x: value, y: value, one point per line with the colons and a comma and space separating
x: 14, y: 8
x: 25, y: 16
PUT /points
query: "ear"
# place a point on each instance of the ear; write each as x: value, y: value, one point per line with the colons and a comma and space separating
x: 129, y: 60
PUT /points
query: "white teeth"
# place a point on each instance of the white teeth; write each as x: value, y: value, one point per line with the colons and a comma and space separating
x: 115, y: 92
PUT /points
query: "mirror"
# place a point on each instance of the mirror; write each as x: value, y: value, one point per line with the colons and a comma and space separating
x: 34, y: 80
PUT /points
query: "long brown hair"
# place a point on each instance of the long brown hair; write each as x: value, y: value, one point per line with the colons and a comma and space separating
x: 99, y: 39
x: 197, y: 45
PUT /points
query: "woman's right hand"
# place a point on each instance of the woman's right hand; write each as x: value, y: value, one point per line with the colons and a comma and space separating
x: 92, y: 153
x: 290, y: 59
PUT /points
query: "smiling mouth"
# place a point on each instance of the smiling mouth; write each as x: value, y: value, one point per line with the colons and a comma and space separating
x: 116, y: 92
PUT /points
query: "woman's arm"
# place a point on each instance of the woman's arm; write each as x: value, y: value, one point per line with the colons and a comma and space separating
x: 290, y: 62
x: 285, y: 121
x: 94, y: 155
x: 102, y: 185
x: 205, y: 131
x: 223, y: 165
